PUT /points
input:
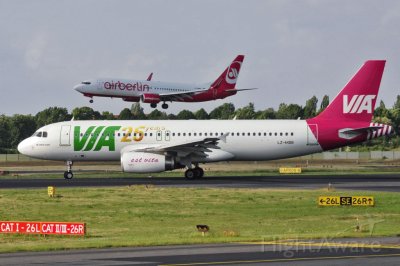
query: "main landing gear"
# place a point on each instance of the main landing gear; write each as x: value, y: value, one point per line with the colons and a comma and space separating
x: 68, y: 174
x: 193, y: 173
x: 164, y: 105
x: 91, y: 100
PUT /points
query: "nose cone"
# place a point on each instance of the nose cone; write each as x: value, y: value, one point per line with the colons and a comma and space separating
x: 79, y: 87
x: 24, y: 147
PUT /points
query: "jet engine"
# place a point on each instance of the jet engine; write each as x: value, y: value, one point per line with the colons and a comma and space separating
x: 143, y: 162
x: 150, y: 98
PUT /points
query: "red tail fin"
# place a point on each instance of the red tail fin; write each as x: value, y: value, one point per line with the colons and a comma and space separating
x: 348, y: 118
x: 227, y: 80
x: 356, y: 101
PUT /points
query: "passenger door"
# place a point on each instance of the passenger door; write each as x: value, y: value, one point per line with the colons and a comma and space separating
x: 65, y: 135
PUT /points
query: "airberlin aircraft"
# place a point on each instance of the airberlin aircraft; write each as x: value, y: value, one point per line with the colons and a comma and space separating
x: 154, y: 92
x: 160, y: 145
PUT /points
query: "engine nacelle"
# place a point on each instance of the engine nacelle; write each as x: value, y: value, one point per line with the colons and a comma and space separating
x: 150, y: 98
x: 143, y: 162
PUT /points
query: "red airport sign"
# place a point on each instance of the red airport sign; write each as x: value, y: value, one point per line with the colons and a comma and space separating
x: 43, y: 228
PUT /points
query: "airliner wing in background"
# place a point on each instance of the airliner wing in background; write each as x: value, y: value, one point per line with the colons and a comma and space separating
x: 181, y: 96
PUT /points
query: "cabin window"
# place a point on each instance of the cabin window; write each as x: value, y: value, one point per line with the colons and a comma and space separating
x: 286, y: 134
x: 281, y: 134
x: 291, y: 134
x: 276, y: 134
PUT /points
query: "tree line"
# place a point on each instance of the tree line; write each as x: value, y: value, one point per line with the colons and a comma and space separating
x: 15, y: 128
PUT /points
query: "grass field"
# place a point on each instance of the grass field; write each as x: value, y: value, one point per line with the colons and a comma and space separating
x: 141, y: 216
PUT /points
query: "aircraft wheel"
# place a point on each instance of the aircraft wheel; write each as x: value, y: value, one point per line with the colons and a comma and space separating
x: 199, y: 172
x: 153, y: 105
x: 68, y: 175
x: 164, y: 106
x: 190, y: 174
x: 91, y: 101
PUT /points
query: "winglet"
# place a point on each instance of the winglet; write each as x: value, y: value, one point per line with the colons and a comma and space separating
x: 150, y: 76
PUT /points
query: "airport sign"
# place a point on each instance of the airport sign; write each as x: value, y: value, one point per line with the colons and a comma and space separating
x: 43, y: 228
x: 346, y: 201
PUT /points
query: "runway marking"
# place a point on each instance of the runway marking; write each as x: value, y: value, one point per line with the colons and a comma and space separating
x: 281, y: 260
x: 324, y: 244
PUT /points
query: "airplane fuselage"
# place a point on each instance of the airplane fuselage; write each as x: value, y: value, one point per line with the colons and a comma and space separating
x: 133, y: 90
x: 104, y: 140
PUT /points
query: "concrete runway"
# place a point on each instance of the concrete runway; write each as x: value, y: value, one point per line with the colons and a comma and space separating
x: 379, y: 251
x: 375, y: 182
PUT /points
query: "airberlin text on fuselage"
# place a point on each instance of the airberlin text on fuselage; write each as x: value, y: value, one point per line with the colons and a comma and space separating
x: 138, y: 86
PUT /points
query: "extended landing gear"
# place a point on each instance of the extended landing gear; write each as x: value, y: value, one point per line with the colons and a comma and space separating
x: 91, y: 100
x: 68, y: 174
x: 153, y: 105
x: 164, y: 106
x: 196, y: 172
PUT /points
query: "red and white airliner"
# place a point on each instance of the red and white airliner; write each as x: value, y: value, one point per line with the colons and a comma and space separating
x: 153, y: 92
x: 159, y: 145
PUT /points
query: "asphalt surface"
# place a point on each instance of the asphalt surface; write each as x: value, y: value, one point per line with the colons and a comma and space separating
x: 375, y: 182
x: 384, y: 251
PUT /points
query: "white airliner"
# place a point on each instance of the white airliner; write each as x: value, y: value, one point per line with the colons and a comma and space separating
x: 156, y: 146
x: 154, y: 92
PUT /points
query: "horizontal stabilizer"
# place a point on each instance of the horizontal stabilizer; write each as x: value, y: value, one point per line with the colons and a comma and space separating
x: 250, y: 89
x: 373, y: 131
x: 360, y: 130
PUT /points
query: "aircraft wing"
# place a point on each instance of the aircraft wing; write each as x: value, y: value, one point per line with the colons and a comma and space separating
x: 175, y: 96
x: 181, y: 149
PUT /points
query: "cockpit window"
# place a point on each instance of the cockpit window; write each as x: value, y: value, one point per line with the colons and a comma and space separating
x: 40, y: 134
x: 86, y: 82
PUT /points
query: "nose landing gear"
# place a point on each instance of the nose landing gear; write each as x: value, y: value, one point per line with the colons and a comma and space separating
x: 164, y: 106
x: 91, y: 100
x: 68, y: 174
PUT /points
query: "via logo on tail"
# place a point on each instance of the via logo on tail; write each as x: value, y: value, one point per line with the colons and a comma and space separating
x: 358, y: 104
